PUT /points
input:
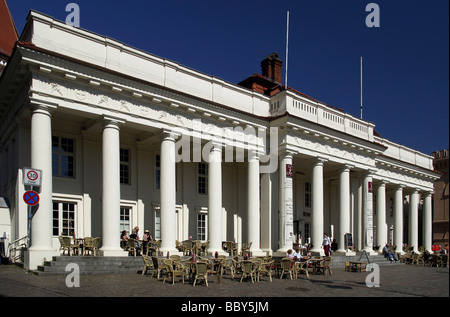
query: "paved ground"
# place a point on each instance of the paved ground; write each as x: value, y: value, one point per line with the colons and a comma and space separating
x: 395, y: 281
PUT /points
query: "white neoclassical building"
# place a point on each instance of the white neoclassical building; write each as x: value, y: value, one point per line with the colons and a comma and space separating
x: 125, y: 138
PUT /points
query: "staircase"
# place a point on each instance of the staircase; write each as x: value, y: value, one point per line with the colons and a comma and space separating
x: 91, y: 265
x: 339, y: 261
x: 131, y: 264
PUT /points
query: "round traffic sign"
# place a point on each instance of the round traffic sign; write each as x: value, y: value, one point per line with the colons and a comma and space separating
x: 32, y: 175
x: 31, y: 198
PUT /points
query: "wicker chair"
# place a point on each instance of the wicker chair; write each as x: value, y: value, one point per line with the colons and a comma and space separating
x: 215, y: 268
x: 229, y: 264
x: 246, y: 248
x: 286, y: 267
x: 174, y: 269
x: 325, y: 266
x: 158, y: 267
x: 132, y: 246
x: 265, y: 268
x: 201, y: 272
x: 249, y: 269
x: 91, y: 245
x: 301, y: 266
x: 67, y: 245
x: 147, y: 264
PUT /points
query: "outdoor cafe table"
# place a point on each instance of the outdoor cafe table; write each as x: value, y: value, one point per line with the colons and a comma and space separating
x: 80, y: 243
x: 316, y: 264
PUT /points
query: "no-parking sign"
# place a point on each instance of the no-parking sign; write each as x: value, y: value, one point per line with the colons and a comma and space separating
x: 31, y: 198
x: 32, y: 177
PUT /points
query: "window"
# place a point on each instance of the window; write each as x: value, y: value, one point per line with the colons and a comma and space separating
x: 157, y: 223
x: 125, y: 166
x: 63, y: 218
x: 307, y: 194
x: 201, y: 226
x: 202, y: 185
x: 63, y: 160
x: 157, y: 171
x: 307, y: 235
x: 125, y: 215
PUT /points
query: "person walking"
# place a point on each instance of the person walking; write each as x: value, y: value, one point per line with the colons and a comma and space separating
x: 326, y: 244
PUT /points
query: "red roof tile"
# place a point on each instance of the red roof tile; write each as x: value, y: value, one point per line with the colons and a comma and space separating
x: 8, y: 31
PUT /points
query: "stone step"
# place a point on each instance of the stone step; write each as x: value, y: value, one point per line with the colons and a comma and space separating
x: 91, y: 265
x: 131, y: 264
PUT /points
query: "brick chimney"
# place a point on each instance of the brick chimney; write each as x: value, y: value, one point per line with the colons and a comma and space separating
x: 271, y: 67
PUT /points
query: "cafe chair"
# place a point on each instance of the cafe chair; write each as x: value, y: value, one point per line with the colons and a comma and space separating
x: 286, y: 265
x: 300, y: 267
x: 66, y: 245
x: 91, y: 245
x: 215, y: 268
x: 158, y: 267
x: 325, y: 266
x: 249, y: 269
x: 132, y: 246
x: 201, y: 272
x: 147, y: 264
x: 229, y: 265
x: 246, y: 248
x: 174, y: 269
x: 265, y: 268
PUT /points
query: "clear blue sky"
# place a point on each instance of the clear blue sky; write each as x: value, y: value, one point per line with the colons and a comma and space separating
x: 405, y: 60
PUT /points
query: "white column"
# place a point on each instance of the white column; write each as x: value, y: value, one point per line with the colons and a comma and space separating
x: 41, y: 158
x: 253, y: 204
x: 367, y: 214
x: 168, y: 194
x: 111, y: 188
x: 344, y: 207
x: 266, y: 212
x: 285, y: 203
x: 317, y: 207
x: 414, y: 220
x: 427, y: 222
x: 398, y: 219
x: 215, y: 199
x: 382, y: 237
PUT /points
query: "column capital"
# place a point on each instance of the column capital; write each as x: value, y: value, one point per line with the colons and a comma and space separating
x: 346, y: 167
x: 37, y: 106
x: 426, y: 193
x: 319, y: 160
x: 111, y: 122
x: 285, y: 153
x: 169, y: 135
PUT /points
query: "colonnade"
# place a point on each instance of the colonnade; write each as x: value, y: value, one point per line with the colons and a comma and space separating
x: 41, y: 158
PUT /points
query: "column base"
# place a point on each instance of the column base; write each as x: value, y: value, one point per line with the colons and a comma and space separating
x: 343, y: 252
x: 257, y: 252
x: 370, y: 251
x: 113, y: 252
x: 317, y: 252
x: 36, y: 257
x: 164, y: 252
x: 212, y: 252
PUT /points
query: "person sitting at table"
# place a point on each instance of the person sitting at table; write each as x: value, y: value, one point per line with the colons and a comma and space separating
x: 134, y: 235
x: 388, y: 254
x: 297, y: 255
x: 123, y: 239
x: 146, y: 239
x: 289, y: 254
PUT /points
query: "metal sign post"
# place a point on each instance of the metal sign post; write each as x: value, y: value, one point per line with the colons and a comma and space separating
x: 31, y: 177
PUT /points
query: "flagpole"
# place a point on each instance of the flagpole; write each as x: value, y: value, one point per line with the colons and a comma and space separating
x: 287, y: 49
x: 361, y: 87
